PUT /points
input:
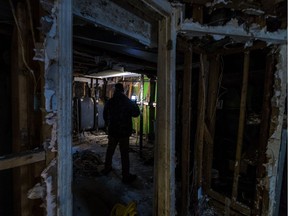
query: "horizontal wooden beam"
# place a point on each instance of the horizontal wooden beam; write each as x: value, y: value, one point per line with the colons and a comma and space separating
x: 192, y: 29
x: 160, y: 6
x: 237, y: 206
x: 21, y: 159
x: 107, y: 14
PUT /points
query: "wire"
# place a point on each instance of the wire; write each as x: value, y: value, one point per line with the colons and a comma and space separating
x: 22, y: 46
x: 31, y: 22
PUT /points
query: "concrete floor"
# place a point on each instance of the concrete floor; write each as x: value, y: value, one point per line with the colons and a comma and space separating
x: 97, y: 194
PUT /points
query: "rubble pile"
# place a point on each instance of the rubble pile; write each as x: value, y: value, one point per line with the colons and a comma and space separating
x: 86, y: 163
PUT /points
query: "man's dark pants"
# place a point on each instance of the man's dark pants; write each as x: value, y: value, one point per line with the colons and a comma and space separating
x: 124, y: 150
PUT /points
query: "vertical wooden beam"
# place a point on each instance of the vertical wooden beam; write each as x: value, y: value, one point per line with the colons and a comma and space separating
x: 241, y: 125
x: 152, y: 108
x: 199, y: 139
x: 197, y: 13
x: 281, y: 165
x: 186, y: 138
x: 164, y: 168
x: 212, y: 94
x: 64, y: 108
x: 141, y: 114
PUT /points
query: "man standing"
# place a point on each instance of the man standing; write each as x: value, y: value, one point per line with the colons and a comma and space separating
x: 117, y: 114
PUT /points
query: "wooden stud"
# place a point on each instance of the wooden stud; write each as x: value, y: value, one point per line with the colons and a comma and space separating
x: 239, y: 207
x: 281, y: 165
x: 186, y: 138
x: 199, y: 143
x: 164, y: 168
x: 241, y: 125
x: 152, y: 109
x: 17, y: 160
x: 212, y: 94
x: 64, y: 108
x: 197, y: 13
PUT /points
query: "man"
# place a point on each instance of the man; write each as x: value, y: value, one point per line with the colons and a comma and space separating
x: 117, y: 114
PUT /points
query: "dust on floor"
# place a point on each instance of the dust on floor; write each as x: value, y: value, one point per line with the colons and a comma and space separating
x: 96, y: 194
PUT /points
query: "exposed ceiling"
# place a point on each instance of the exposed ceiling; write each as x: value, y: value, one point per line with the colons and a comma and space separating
x: 96, y: 48
x: 112, y: 48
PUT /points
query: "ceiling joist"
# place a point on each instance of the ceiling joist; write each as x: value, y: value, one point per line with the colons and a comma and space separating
x: 109, y: 15
x: 192, y: 29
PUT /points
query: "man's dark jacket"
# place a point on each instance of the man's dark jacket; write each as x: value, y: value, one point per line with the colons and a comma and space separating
x: 118, y: 113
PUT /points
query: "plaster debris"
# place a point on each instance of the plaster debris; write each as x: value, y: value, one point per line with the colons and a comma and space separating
x: 50, y: 199
x: 37, y: 192
x: 51, y: 119
x: 239, y: 33
x: 253, y: 11
x: 215, y: 2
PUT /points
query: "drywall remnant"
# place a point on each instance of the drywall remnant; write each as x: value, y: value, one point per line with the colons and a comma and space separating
x: 37, y: 192
x: 51, y: 119
x: 49, y: 181
x: 51, y: 66
x: 278, y: 108
x: 240, y: 33
x: 216, y: 2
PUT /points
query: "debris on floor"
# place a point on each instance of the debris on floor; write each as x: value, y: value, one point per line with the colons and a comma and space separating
x: 97, y: 194
x: 86, y: 163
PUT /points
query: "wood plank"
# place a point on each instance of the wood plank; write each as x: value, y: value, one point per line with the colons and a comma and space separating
x: 152, y: 109
x: 281, y: 164
x: 241, y: 125
x: 164, y: 168
x: 212, y: 94
x: 108, y: 14
x: 243, y: 209
x: 21, y: 159
x: 197, y: 13
x: 64, y: 108
x: 189, y: 29
x: 199, y: 143
x: 186, y: 125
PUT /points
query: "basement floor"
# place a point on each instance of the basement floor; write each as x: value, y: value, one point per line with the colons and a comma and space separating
x: 97, y: 194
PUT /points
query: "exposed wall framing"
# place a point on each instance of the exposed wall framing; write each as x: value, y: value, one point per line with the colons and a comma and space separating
x: 268, y: 147
x: 164, y: 194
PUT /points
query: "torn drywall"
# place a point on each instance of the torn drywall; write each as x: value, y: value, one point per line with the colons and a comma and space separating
x: 51, y: 119
x: 49, y: 26
x: 37, y: 192
x: 49, y: 181
x: 240, y: 33
x: 273, y: 147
